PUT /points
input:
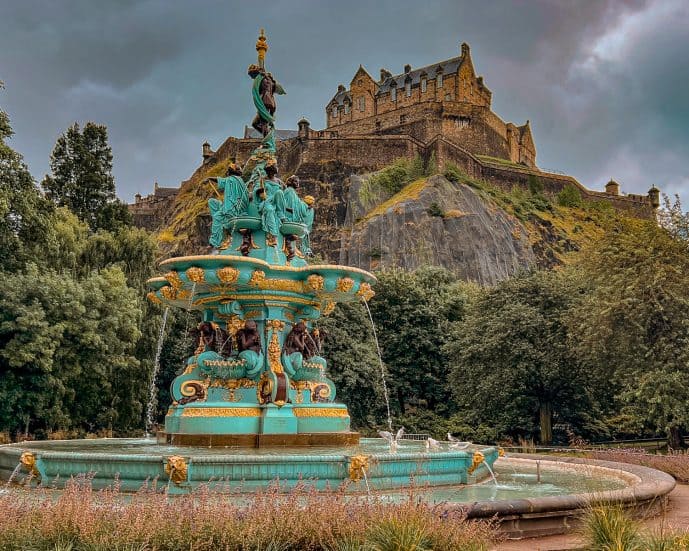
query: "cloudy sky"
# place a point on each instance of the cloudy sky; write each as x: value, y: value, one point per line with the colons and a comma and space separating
x: 604, y: 83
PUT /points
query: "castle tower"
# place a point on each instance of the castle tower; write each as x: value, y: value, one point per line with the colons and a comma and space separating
x: 654, y: 197
x: 612, y: 187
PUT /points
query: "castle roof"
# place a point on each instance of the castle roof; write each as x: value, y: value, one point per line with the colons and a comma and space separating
x: 446, y: 67
x: 280, y: 135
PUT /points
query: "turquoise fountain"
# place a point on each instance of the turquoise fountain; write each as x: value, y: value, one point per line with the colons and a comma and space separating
x: 254, y: 404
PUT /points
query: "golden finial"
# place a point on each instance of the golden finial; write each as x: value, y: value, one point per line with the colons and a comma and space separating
x: 261, y: 48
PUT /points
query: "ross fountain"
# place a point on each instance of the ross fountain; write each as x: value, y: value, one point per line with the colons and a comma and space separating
x: 254, y: 405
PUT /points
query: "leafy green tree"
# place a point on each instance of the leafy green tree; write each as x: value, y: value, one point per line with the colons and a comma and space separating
x: 633, y: 323
x: 65, y: 346
x: 353, y: 364
x: 570, y: 196
x: 512, y: 365
x: 23, y: 210
x: 413, y: 312
x: 81, y: 179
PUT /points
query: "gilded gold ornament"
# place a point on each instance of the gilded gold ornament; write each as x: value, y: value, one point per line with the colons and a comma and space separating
x: 173, y: 279
x: 176, y: 469
x: 358, y: 465
x: 221, y: 412
x: 315, y: 282
x: 476, y: 460
x: 197, y: 275
x: 28, y: 461
x: 328, y: 308
x: 228, y: 274
x: 152, y: 297
x: 320, y: 412
x: 365, y: 291
x: 344, y: 284
x: 257, y: 277
x: 168, y: 292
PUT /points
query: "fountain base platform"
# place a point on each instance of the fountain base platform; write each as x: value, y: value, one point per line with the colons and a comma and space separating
x: 260, y: 440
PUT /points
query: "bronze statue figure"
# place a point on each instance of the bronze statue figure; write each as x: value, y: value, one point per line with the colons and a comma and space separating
x: 248, y: 338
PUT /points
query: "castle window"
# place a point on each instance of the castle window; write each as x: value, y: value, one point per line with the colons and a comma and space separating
x: 346, y: 108
x: 393, y: 93
x: 439, y: 80
x: 335, y: 112
x: 423, y: 85
x: 377, y: 125
x: 362, y: 103
x: 462, y: 122
x: 403, y: 119
x: 407, y: 88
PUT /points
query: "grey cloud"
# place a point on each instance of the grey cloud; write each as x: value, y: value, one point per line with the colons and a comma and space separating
x: 167, y: 75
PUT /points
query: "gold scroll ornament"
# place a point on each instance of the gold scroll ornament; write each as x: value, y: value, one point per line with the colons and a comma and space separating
x: 196, y: 275
x: 315, y: 282
x: 227, y: 275
x: 274, y: 345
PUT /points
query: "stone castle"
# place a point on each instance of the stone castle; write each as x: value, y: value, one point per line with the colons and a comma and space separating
x: 441, y: 111
x: 444, y: 99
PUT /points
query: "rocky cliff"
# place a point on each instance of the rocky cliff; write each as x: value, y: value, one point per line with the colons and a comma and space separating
x: 439, y: 222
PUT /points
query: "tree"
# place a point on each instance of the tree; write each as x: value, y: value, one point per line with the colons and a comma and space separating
x: 23, y: 210
x: 634, y: 321
x: 413, y: 312
x: 512, y: 366
x: 353, y: 364
x: 81, y: 179
x: 65, y: 348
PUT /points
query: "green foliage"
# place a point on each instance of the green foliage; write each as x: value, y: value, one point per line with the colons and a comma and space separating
x: 435, y: 210
x: 353, y: 363
x: 633, y: 322
x: 390, y: 180
x: 611, y: 529
x: 570, y: 196
x: 396, y: 534
x: 535, y: 185
x: 24, y: 212
x: 81, y: 179
x: 66, y: 350
x: 413, y: 312
x: 512, y: 366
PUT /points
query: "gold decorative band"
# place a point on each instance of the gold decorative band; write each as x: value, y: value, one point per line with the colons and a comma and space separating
x: 320, y: 412
x: 221, y: 412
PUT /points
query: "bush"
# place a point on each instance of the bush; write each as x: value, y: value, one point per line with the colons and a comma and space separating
x: 569, y: 197
x: 435, y: 210
x: 305, y: 520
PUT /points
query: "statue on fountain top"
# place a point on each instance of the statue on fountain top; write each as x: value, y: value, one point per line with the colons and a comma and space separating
x: 271, y: 203
x: 264, y: 89
x: 235, y: 202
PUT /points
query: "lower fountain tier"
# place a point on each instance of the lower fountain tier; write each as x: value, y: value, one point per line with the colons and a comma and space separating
x: 137, y: 462
x: 254, y: 425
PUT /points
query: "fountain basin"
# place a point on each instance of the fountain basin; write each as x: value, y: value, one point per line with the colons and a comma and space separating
x: 138, y: 461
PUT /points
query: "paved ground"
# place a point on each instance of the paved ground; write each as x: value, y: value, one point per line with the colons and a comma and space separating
x: 675, y: 518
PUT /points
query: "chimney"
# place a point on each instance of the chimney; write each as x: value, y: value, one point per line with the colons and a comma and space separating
x: 137, y: 198
x: 340, y: 88
x: 465, y: 49
x: 407, y: 68
x: 384, y: 75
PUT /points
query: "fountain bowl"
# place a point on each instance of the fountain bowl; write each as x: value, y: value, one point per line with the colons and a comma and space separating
x: 135, y: 462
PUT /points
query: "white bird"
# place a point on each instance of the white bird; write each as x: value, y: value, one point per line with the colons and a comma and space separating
x: 393, y: 441
x: 457, y: 444
x: 432, y: 444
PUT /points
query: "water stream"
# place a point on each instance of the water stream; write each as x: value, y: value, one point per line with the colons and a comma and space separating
x: 14, y: 474
x: 152, y: 389
x: 382, y: 366
x: 492, y: 474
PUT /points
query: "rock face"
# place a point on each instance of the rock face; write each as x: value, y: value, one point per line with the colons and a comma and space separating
x: 438, y: 222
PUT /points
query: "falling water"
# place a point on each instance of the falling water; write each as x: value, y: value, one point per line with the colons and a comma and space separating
x: 14, y: 473
x: 492, y: 474
x: 152, y: 399
x: 368, y: 487
x: 382, y: 367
